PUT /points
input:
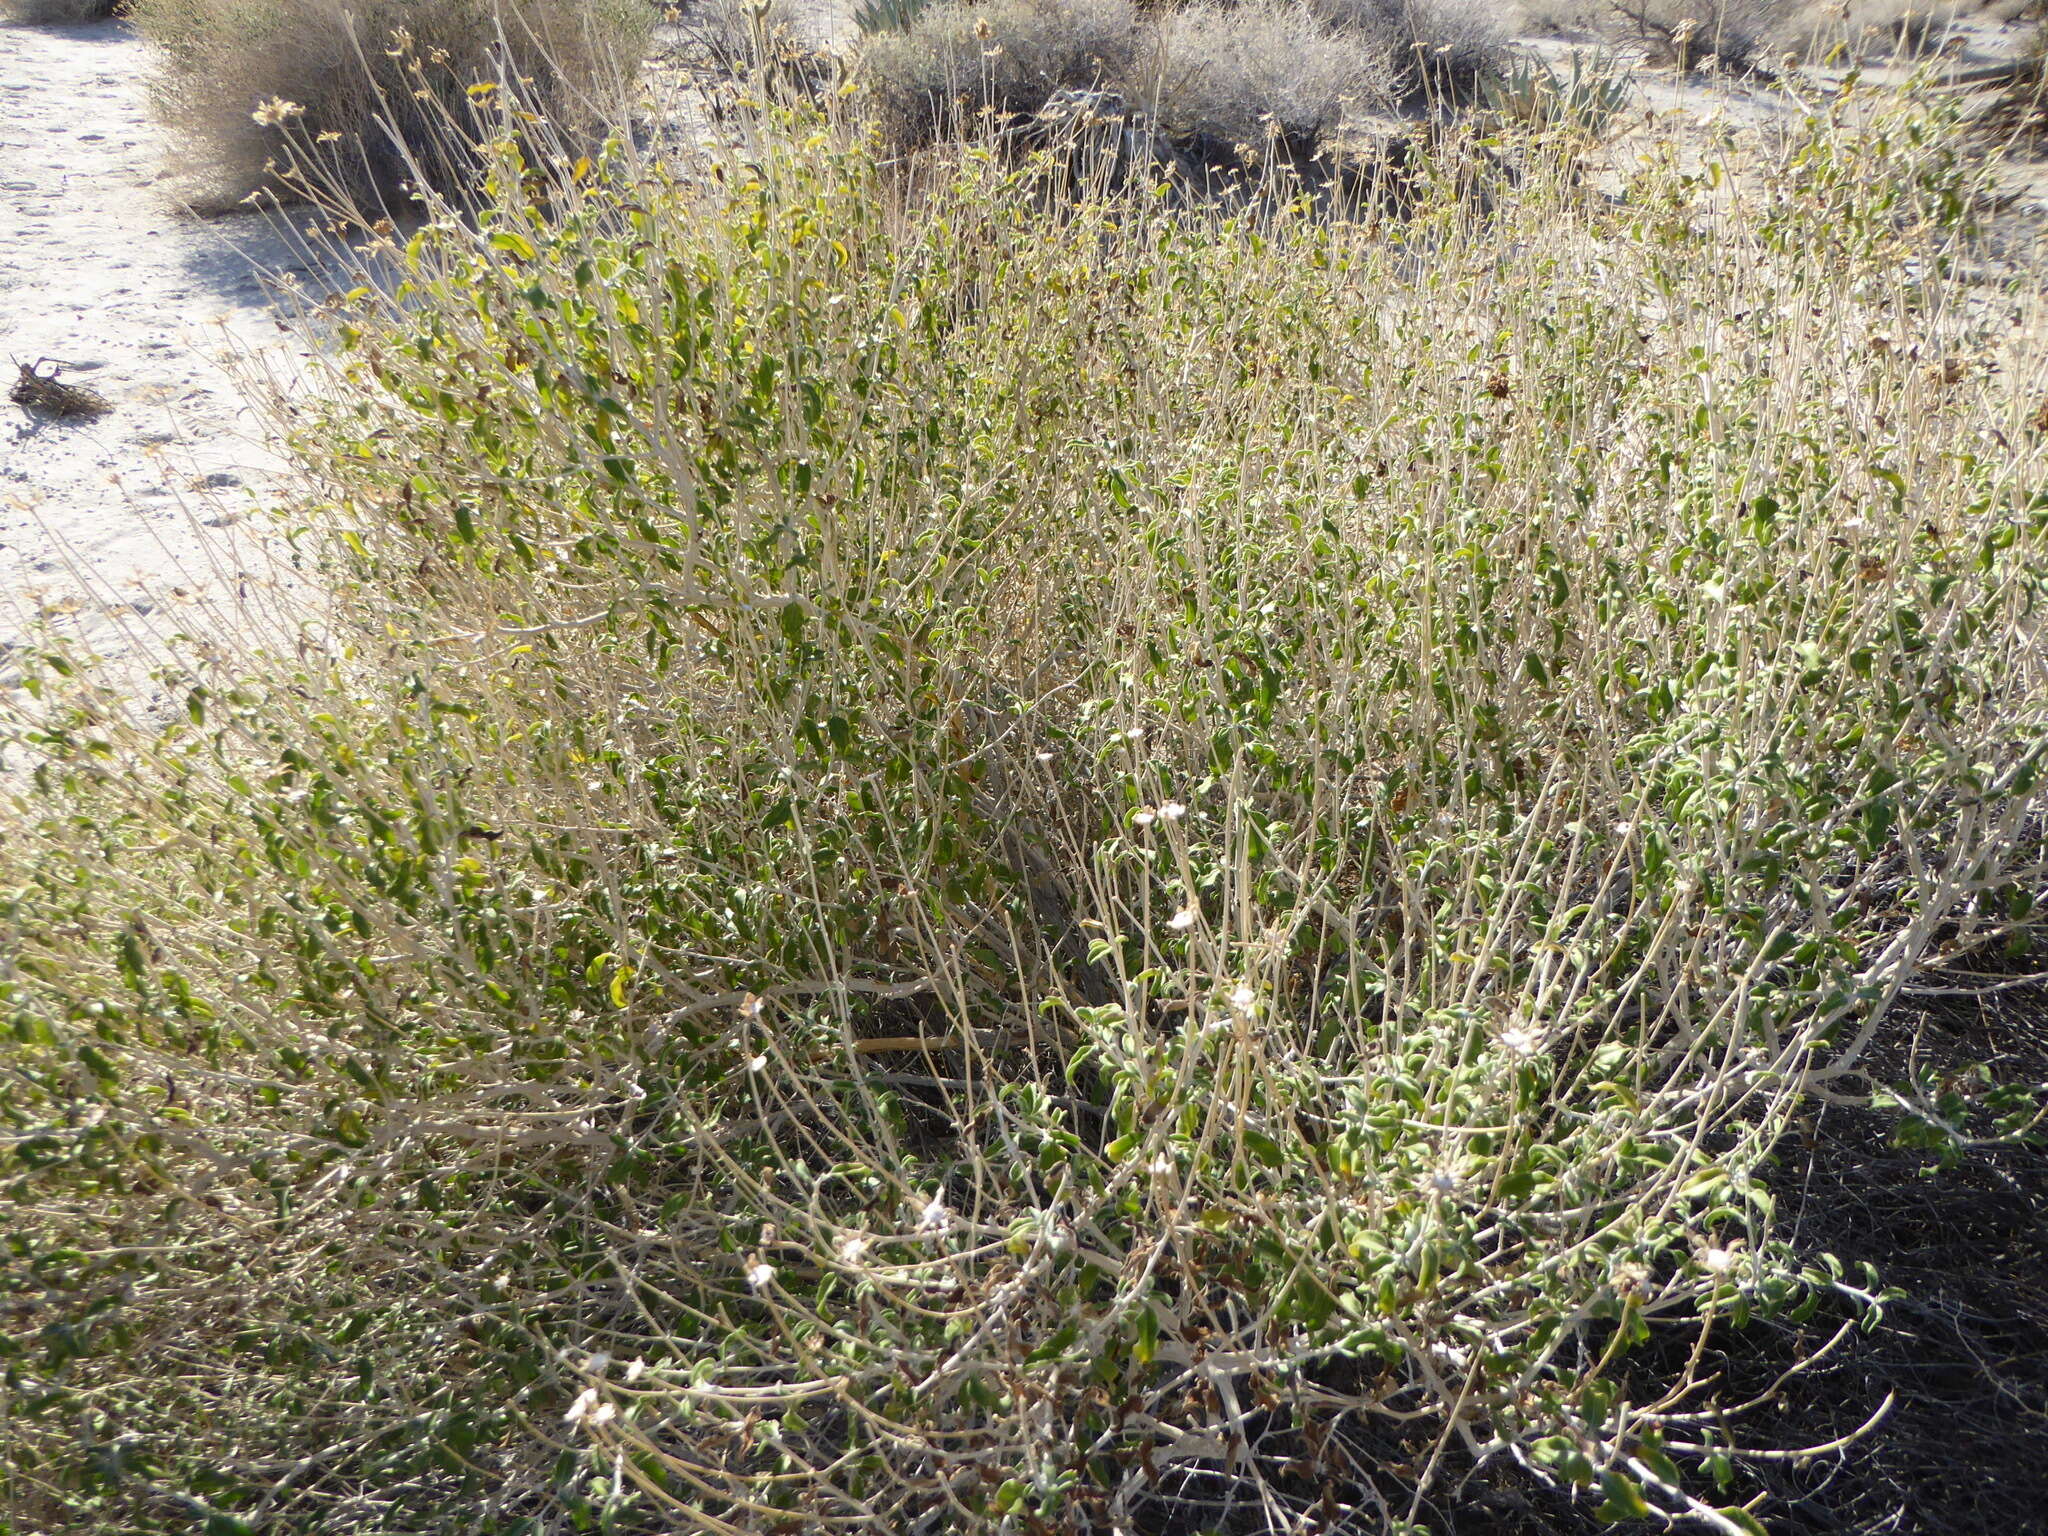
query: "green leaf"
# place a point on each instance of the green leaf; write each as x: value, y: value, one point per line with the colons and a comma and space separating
x: 1264, y: 1148
x: 1055, y: 1346
x: 1624, y: 1499
x: 1661, y: 1467
x: 1146, y: 1344
x: 1562, y: 1455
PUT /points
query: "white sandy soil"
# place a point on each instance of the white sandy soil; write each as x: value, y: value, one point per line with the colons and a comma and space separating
x: 128, y: 526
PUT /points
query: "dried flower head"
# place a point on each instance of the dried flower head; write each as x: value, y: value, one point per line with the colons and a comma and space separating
x: 276, y: 112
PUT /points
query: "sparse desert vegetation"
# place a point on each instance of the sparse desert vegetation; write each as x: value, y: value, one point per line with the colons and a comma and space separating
x: 373, y: 99
x: 962, y: 852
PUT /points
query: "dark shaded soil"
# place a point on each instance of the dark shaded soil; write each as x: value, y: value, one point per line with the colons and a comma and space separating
x: 1964, y: 1355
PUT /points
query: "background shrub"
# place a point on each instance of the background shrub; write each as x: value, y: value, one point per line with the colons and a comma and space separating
x: 1729, y: 34
x: 384, y: 89
x: 954, y: 60
x: 1233, y: 74
x: 1440, y: 48
x: 58, y: 12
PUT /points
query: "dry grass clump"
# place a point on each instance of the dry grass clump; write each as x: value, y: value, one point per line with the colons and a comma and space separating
x: 955, y: 62
x: 58, y: 12
x: 374, y: 96
x: 49, y: 395
x: 1238, y: 74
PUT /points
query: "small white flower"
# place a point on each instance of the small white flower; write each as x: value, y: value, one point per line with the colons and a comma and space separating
x: 1444, y: 1182
x: 934, y: 1217
x: 601, y: 1415
x: 1173, y: 810
x: 635, y: 1370
x: 760, y: 1275
x: 1182, y: 920
x: 275, y: 112
x: 757, y: 1063
x: 751, y: 1006
x: 1135, y: 733
x: 852, y: 1247
x: 580, y: 1409
x: 598, y: 1364
x: 1243, y: 998
x: 1144, y: 816
x: 1162, y: 1165
x: 1520, y: 1041
x: 1044, y: 757
x: 1718, y: 1261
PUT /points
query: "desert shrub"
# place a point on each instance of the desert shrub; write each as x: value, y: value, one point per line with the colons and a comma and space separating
x: 1237, y: 73
x: 948, y: 868
x: 956, y: 61
x: 58, y: 12
x: 373, y: 97
x: 1728, y: 34
x: 1441, y: 48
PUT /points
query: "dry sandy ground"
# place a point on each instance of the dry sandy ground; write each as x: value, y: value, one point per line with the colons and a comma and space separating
x: 125, y: 528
